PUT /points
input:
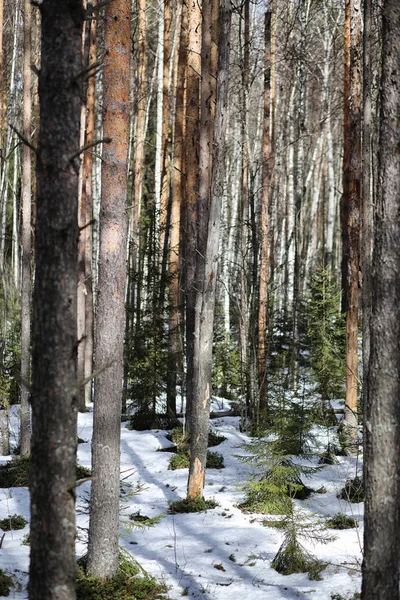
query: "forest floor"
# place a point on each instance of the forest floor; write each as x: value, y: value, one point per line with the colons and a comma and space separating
x: 221, y: 554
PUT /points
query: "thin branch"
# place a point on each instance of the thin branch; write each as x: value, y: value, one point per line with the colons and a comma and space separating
x: 23, y: 139
x: 90, y: 145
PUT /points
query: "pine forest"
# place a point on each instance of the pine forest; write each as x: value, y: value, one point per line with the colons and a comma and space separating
x: 199, y: 247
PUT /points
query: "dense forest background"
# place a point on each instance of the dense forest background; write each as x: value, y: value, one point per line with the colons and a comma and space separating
x: 201, y: 197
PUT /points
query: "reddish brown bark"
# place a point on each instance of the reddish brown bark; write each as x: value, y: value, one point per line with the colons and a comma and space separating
x: 103, y: 546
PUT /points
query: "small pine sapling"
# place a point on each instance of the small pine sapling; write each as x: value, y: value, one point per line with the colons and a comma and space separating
x: 292, y: 556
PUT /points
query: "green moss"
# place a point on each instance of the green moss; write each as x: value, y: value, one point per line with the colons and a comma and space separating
x: 6, y: 583
x: 16, y: 473
x: 130, y: 583
x: 178, y: 461
x: 353, y: 490
x: 82, y: 472
x: 191, y: 506
x: 215, y: 460
x: 341, y: 521
x: 181, y: 461
x: 13, y: 523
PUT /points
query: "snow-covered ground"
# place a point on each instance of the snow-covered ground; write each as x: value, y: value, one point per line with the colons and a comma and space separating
x: 219, y: 554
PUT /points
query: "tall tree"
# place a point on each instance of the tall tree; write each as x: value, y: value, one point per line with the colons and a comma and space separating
x: 192, y: 187
x: 26, y: 290
x: 382, y: 417
x: 265, y: 196
x: 205, y: 300
x: 353, y: 202
x: 110, y: 324
x: 177, y: 187
x: 54, y: 384
x: 201, y: 383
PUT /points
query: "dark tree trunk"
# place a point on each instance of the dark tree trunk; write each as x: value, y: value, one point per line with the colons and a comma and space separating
x: 54, y: 386
x: 110, y: 325
x: 382, y: 416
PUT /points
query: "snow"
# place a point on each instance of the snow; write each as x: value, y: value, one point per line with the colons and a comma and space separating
x: 221, y: 554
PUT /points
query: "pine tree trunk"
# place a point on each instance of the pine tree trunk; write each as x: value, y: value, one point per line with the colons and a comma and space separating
x: 200, y: 407
x: 382, y: 417
x: 54, y: 382
x: 353, y: 227
x: 206, y: 297
x: 174, y: 333
x: 26, y: 289
x: 192, y: 188
x: 110, y: 325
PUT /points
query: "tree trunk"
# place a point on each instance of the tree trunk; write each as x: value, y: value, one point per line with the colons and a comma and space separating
x: 206, y: 297
x: 53, y: 561
x: 192, y: 187
x: 174, y: 333
x: 267, y: 167
x: 110, y: 325
x: 26, y: 290
x: 382, y: 417
x: 346, y: 154
x: 353, y: 227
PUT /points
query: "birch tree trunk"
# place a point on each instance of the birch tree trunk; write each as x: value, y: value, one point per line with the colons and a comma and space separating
x: 54, y: 383
x: 110, y: 324
x: 381, y: 417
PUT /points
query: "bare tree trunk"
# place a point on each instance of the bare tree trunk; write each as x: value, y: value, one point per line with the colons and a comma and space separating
x: 192, y: 187
x: 206, y: 295
x: 178, y: 183
x: 26, y: 289
x: 382, y: 418
x: 346, y: 154
x: 354, y: 203
x: 165, y: 142
x: 54, y: 382
x: 367, y: 200
x: 267, y: 167
x: 110, y: 324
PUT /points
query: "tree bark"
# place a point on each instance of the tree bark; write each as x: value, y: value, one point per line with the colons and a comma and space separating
x: 192, y: 187
x: 382, y: 419
x: 26, y: 290
x: 206, y: 295
x: 353, y: 228
x: 110, y: 324
x: 267, y: 166
x: 54, y: 385
x: 178, y: 182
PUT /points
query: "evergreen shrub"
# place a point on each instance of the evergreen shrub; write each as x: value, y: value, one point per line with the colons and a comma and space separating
x: 13, y: 523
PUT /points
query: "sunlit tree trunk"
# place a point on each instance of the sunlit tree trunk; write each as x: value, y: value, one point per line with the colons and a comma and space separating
x: 382, y: 416
x: 354, y: 208
x: 110, y: 317
x: 26, y: 289
x: 206, y: 294
x: 192, y: 187
x: 54, y: 382
x: 267, y: 167
x: 177, y: 183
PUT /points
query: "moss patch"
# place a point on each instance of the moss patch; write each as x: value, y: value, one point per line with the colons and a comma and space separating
x: 341, y: 521
x: 13, y: 523
x: 6, y: 583
x: 16, y: 473
x: 353, y: 490
x: 191, y: 506
x: 130, y: 583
